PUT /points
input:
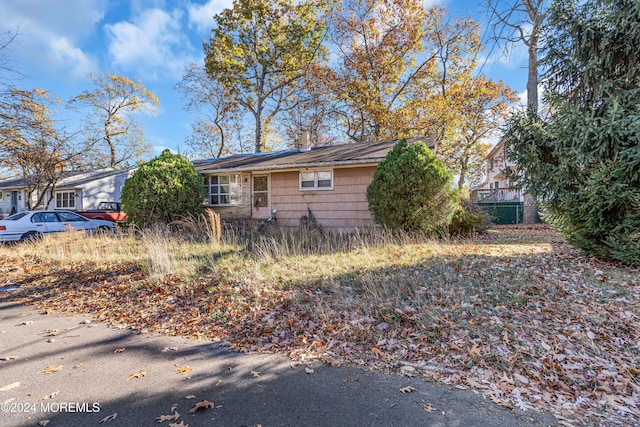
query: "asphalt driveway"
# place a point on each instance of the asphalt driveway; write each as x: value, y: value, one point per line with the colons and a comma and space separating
x: 70, y: 371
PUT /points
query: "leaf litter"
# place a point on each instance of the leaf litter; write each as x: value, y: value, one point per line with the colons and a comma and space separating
x: 517, y: 315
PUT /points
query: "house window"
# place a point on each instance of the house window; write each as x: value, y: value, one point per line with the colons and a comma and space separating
x: 223, y: 190
x: 316, y: 180
x: 66, y: 200
x: 260, y: 191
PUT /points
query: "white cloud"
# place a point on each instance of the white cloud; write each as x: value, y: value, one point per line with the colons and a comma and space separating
x: 79, y: 63
x: 201, y: 15
x: 50, y: 33
x: 152, y: 44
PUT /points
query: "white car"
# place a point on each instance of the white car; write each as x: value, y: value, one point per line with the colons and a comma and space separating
x: 31, y: 225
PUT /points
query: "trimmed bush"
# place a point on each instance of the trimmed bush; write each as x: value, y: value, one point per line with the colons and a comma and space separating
x: 412, y: 191
x: 165, y: 189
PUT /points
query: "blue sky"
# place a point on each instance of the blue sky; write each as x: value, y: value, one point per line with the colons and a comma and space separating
x: 60, y: 41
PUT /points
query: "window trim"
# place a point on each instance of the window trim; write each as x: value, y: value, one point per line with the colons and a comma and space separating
x: 71, y: 198
x: 315, y: 180
x: 208, y: 185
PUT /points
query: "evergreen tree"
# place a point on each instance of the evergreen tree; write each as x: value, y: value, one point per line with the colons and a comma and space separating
x: 583, y: 160
x: 412, y: 190
x: 162, y: 190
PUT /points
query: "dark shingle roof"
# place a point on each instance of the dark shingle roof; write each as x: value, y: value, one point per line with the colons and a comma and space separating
x: 332, y: 155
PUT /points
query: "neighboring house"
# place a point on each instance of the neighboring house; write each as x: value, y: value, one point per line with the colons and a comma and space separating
x: 326, y: 184
x: 75, y: 191
x: 498, y: 196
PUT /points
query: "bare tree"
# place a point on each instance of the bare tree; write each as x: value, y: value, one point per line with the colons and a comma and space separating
x: 521, y: 21
x: 212, y: 131
x: 32, y: 145
x: 118, y: 139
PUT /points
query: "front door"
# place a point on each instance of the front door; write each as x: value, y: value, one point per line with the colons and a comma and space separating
x: 14, y: 201
x: 261, y: 196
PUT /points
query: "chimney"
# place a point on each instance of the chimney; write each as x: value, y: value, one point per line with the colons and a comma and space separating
x: 304, y: 141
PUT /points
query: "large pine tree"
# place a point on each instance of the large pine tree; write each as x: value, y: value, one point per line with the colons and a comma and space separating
x: 583, y: 159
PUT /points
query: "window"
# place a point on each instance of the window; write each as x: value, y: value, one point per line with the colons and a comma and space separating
x: 44, y: 217
x: 260, y: 191
x: 316, y: 180
x: 66, y: 200
x: 223, y: 190
x: 70, y: 216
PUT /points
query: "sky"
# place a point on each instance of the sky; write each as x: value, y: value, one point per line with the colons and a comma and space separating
x: 59, y: 42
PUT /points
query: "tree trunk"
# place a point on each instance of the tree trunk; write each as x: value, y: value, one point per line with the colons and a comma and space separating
x: 532, y: 77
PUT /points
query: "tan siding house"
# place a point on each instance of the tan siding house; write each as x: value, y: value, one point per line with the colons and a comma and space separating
x: 326, y: 184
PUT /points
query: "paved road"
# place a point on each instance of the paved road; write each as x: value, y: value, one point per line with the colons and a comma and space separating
x: 92, y: 379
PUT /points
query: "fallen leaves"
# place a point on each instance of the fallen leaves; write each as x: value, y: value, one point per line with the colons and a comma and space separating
x: 182, y: 370
x: 108, y: 418
x: 50, y: 395
x: 255, y: 374
x: 516, y: 314
x: 51, y: 369
x: 163, y: 418
x: 8, y: 358
x: 407, y: 389
x: 427, y: 407
x: 139, y: 374
x: 119, y: 350
x: 203, y: 404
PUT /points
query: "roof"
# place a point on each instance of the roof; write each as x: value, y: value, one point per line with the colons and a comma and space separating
x: 495, y: 150
x: 71, y: 179
x: 356, y: 154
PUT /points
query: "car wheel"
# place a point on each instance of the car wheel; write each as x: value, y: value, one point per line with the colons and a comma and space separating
x: 31, y: 236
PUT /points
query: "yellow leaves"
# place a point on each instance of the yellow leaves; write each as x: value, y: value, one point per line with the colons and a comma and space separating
x: 376, y: 351
x: 51, y: 369
x: 139, y: 374
x: 183, y: 370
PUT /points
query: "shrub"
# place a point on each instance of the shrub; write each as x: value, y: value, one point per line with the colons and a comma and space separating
x: 468, y: 219
x: 412, y: 190
x: 162, y: 190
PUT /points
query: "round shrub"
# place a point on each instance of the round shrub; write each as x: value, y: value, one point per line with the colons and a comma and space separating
x: 162, y: 190
x: 412, y: 190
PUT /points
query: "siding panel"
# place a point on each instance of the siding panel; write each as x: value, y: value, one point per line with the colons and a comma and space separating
x: 341, y: 209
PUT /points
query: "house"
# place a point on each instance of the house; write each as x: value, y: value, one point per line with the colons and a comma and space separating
x: 75, y: 190
x: 327, y: 184
x: 499, y: 196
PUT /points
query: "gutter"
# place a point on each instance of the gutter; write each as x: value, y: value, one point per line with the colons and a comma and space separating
x: 294, y: 167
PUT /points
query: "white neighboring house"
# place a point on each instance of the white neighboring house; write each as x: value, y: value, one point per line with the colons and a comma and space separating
x: 75, y: 191
x: 496, y: 187
x: 497, y: 194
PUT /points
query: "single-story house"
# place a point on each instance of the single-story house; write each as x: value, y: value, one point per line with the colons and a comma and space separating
x: 327, y: 183
x: 76, y: 190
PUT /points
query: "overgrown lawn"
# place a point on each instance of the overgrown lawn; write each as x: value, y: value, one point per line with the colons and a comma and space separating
x: 516, y: 314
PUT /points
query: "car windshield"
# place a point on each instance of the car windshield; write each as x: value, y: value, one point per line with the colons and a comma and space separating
x: 16, y: 216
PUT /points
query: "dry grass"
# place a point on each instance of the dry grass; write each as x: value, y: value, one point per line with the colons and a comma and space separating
x: 516, y: 313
